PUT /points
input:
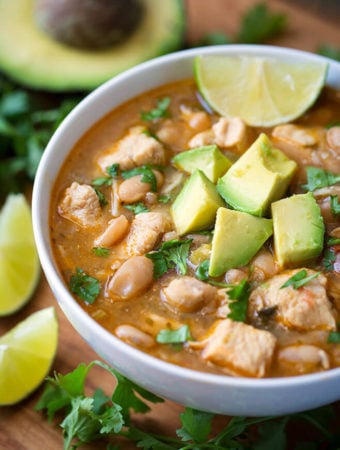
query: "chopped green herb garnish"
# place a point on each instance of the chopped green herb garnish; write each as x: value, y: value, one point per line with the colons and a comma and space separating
x: 171, y: 254
x: 259, y: 25
x: 164, y: 198
x: 147, y: 175
x: 159, y: 112
x: 101, y: 197
x: 318, y: 178
x: 334, y: 123
x: 299, y: 279
x: 178, y: 336
x: 240, y: 294
x: 335, y: 205
x: 85, y: 287
x: 113, y: 170
x: 329, y: 259
x: 137, y: 208
x: 202, y: 271
x: 333, y: 241
x: 334, y: 337
x: 102, y: 181
x: 101, y: 251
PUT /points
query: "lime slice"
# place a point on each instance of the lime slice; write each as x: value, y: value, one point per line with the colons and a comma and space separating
x: 262, y: 91
x: 26, y: 355
x: 19, y: 262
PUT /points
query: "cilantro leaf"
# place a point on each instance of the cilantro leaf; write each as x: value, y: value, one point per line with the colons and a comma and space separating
x: 271, y: 435
x: 159, y: 112
x: 318, y: 178
x: 334, y: 337
x: 85, y: 287
x: 102, y: 181
x: 101, y: 251
x: 259, y: 25
x: 113, y: 170
x: 240, y: 294
x: 299, y: 279
x: 196, y: 425
x: 171, y: 254
x: 179, y: 336
x: 335, y: 205
x: 329, y: 259
x: 164, y: 198
x: 202, y: 271
x: 101, y: 197
x: 214, y: 38
x: 147, y: 175
x: 333, y: 241
x: 137, y: 208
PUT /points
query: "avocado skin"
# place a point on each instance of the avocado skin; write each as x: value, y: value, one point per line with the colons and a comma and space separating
x: 194, y: 209
x: 39, y: 62
x: 259, y: 177
x: 298, y: 229
x: 238, y: 236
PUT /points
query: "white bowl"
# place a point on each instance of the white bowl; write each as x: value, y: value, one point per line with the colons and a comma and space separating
x: 210, y: 392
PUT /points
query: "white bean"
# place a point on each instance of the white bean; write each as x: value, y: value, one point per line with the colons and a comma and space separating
x: 132, y: 278
x: 115, y: 231
x: 134, y: 336
x: 134, y: 189
x: 305, y: 358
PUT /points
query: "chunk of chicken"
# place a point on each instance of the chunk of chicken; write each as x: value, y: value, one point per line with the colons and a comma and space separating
x: 187, y: 295
x: 80, y: 204
x: 306, y: 308
x: 304, y: 358
x: 238, y: 347
x: 197, y: 120
x: 132, y: 278
x: 333, y: 138
x: 231, y: 133
x: 134, y: 149
x: 115, y: 231
x: 146, y: 231
x: 203, y: 138
x: 306, y: 137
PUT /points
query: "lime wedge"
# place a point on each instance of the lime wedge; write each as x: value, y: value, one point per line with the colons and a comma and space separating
x: 26, y: 355
x: 19, y: 262
x: 262, y: 91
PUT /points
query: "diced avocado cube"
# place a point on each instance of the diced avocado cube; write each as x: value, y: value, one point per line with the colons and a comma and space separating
x: 259, y: 177
x: 238, y: 236
x: 298, y: 229
x: 195, y: 207
x: 208, y: 158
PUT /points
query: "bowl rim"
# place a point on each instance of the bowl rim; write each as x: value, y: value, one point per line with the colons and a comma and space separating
x: 51, y: 270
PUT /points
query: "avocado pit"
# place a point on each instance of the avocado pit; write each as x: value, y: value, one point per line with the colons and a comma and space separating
x: 88, y: 24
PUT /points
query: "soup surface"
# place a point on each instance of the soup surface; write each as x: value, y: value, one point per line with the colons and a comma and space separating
x: 135, y: 235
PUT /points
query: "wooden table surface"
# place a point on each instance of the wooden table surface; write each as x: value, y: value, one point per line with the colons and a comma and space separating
x: 21, y: 428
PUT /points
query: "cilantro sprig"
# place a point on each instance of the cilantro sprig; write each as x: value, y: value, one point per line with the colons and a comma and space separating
x: 171, y: 254
x: 239, y: 295
x: 299, y: 279
x: 178, y: 336
x: 137, y: 208
x: 87, y: 418
x: 84, y: 286
x: 335, y: 205
x: 318, y: 178
x: 159, y: 112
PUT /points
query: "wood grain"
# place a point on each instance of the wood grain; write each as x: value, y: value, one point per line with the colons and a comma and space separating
x: 21, y: 428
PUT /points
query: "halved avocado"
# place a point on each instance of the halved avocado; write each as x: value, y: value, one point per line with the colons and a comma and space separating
x: 31, y: 57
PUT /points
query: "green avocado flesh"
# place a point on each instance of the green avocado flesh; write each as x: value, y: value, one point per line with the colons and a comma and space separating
x: 260, y: 176
x: 298, y: 229
x: 32, y: 58
x: 195, y: 206
x: 238, y: 236
x: 208, y: 158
